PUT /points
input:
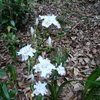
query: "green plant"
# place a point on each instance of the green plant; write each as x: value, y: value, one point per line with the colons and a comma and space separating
x: 13, y: 12
x: 10, y: 37
x: 60, y: 57
x: 12, y: 72
x: 5, y: 92
x: 11, y: 41
x: 92, y: 90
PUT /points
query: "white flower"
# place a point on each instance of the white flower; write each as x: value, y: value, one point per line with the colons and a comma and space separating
x: 26, y: 51
x: 40, y: 89
x: 45, y: 67
x: 61, y: 70
x: 49, y: 20
x: 49, y: 42
x: 37, y: 21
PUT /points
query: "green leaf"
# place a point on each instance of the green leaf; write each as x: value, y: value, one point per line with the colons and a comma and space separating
x: 12, y: 71
x: 93, y: 76
x: 58, y: 32
x: 96, y: 97
x: 4, y: 21
x: 67, y: 30
x: 13, y: 37
x: 39, y: 97
x: 4, y: 34
x: 1, y: 5
x: 70, y: 1
x: 12, y: 23
x: 49, y: 97
x: 84, y: 17
x: 14, y: 28
x: 13, y: 51
x: 2, y: 72
x: 63, y: 84
x: 29, y: 65
x: 93, y: 91
x: 61, y: 87
x: 5, y: 91
x: 9, y: 28
x: 13, y: 93
x: 90, y: 18
x: 51, y: 91
x: 89, y: 95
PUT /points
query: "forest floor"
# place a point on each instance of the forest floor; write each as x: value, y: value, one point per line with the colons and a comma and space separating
x: 79, y: 34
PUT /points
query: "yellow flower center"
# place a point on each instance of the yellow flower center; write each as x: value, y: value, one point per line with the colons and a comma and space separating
x: 24, y: 55
x: 49, y: 72
x: 37, y: 91
x: 44, y: 89
x: 57, y: 22
x: 32, y: 48
x: 47, y: 22
x: 39, y: 67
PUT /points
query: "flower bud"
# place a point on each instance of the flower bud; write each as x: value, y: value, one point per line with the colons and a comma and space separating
x: 37, y: 21
x: 49, y: 42
x: 32, y: 31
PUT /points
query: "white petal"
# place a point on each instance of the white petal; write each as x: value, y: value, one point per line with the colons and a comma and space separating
x: 57, y: 24
x: 24, y: 58
x: 42, y: 17
x: 40, y: 58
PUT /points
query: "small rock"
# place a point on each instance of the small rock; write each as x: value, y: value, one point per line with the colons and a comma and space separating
x: 73, y: 38
x: 88, y: 43
x: 86, y: 60
x: 93, y: 62
x: 94, y: 51
x: 80, y: 59
x: 69, y: 96
x: 76, y: 71
x: 78, y: 87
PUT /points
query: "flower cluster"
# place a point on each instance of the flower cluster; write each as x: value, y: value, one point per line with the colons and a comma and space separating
x: 45, y: 67
x: 39, y: 89
x: 26, y: 51
x: 49, y: 20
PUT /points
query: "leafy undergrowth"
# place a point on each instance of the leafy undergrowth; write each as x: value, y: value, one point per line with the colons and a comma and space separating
x: 76, y: 44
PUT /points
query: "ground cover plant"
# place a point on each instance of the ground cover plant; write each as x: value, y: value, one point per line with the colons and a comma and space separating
x: 12, y: 12
x: 55, y: 55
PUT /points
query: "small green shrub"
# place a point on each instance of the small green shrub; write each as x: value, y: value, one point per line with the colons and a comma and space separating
x: 11, y: 41
x: 12, y: 12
